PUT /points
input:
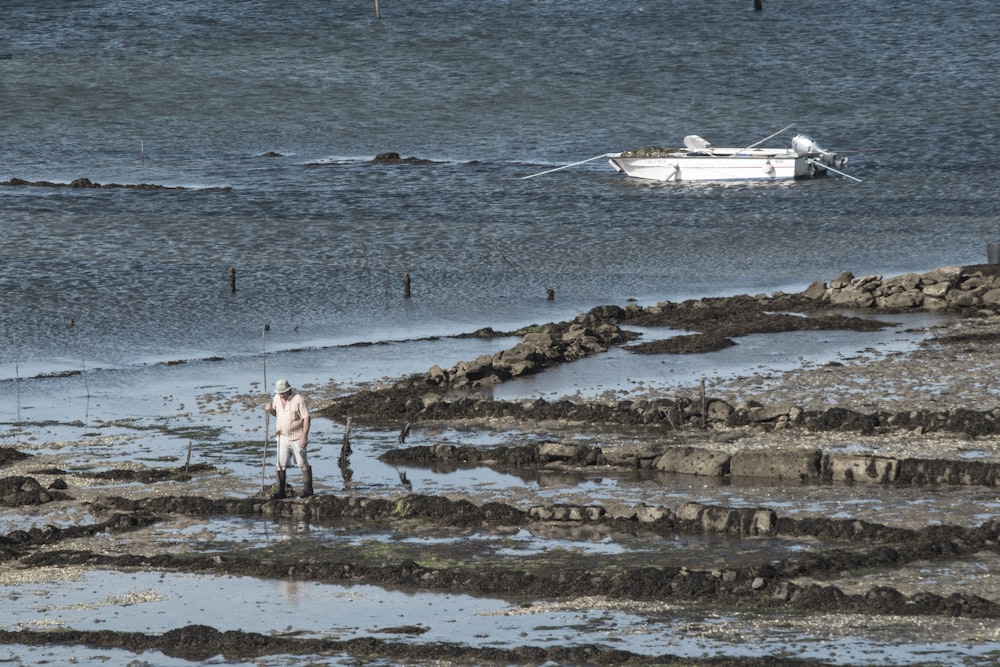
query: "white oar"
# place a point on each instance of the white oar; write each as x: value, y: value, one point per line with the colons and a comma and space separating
x: 567, y: 166
x: 836, y: 171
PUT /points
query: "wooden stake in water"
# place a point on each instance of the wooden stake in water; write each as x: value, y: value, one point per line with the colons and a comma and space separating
x: 345, y: 448
x: 368, y: 267
x: 83, y: 360
x: 502, y: 255
x: 17, y: 376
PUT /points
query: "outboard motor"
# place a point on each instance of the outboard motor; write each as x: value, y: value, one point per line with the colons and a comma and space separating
x: 806, y: 147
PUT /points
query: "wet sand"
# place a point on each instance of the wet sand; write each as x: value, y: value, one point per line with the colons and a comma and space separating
x: 636, y: 565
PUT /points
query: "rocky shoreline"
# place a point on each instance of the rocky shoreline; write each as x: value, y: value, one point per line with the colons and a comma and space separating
x: 971, y: 293
x: 795, y: 431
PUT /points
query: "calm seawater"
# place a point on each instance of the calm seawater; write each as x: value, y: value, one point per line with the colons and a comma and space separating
x: 193, y: 93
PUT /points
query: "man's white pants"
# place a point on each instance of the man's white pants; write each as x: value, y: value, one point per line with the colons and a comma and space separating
x: 288, y: 447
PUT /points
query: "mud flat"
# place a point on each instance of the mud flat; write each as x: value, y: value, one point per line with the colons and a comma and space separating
x: 845, y: 513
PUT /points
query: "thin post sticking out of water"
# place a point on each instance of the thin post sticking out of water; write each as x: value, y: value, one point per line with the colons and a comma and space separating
x: 17, y: 376
x: 344, y: 462
x: 345, y: 449
x: 142, y: 154
x: 83, y: 359
x: 502, y: 255
x: 758, y: 5
x: 232, y: 279
x: 703, y: 404
x: 378, y: 13
x: 406, y: 285
x: 187, y: 464
x: 368, y: 267
x: 550, y: 294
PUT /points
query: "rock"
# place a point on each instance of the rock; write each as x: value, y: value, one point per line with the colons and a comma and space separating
x: 479, y: 368
x: 690, y: 512
x: 557, y: 451
x: 693, y: 461
x: 718, y: 411
x: 867, y: 283
x: 800, y: 464
x: 524, y: 367
x: 436, y: 375
x: 965, y: 298
x: 842, y: 281
x: 769, y: 413
x: 937, y: 290
x: 944, y: 274
x: 908, y: 299
x: 394, y: 158
x: 931, y: 303
x: 852, y: 298
x: 538, y: 340
x: 647, y: 514
x: 901, y: 283
x: 815, y: 291
x: 860, y: 469
x: 992, y: 298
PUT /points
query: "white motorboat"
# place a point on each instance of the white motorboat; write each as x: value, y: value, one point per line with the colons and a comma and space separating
x: 698, y: 160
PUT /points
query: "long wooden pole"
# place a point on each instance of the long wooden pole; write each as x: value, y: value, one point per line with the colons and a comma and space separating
x: 267, y: 414
x: 378, y: 13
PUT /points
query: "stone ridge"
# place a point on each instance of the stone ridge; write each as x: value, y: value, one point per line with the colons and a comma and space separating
x: 773, y: 584
x: 454, y: 393
x: 808, y: 465
x: 951, y: 287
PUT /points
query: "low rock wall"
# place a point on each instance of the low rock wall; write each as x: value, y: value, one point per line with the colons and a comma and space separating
x: 950, y: 287
x: 449, y: 394
x: 795, y: 464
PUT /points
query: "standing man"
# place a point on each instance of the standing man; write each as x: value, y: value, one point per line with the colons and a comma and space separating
x: 291, y: 429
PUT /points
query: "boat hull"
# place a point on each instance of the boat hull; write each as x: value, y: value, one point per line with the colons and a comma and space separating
x: 719, y: 168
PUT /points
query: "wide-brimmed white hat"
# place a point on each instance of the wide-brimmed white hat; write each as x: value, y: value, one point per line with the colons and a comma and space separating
x: 281, y: 386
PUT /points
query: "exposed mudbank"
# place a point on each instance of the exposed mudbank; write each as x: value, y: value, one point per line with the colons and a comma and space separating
x: 848, y: 545
x: 200, y: 642
x: 802, y: 577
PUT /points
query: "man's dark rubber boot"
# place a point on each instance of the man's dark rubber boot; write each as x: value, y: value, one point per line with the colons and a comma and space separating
x: 307, y: 482
x: 280, y: 493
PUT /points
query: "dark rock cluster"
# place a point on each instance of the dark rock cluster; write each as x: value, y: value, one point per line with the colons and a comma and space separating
x: 86, y: 183
x: 946, y: 288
